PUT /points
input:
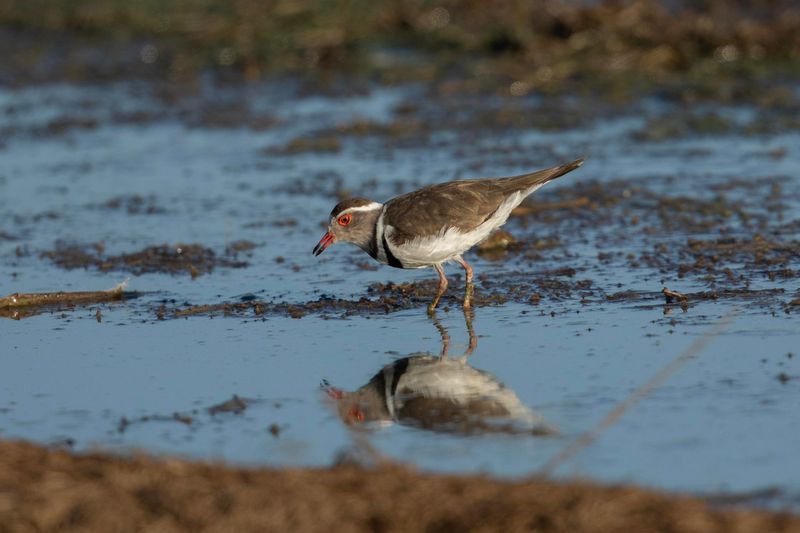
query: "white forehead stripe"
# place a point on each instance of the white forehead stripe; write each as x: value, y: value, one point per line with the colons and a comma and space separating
x: 369, y: 207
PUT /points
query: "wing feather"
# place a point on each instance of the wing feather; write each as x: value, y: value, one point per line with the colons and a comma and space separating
x: 463, y: 204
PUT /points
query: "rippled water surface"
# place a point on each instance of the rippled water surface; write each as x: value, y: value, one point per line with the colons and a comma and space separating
x: 116, y: 170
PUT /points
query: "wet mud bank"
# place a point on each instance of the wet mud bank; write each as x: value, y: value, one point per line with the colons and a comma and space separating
x: 735, y: 242
x: 45, y: 490
x: 210, y: 198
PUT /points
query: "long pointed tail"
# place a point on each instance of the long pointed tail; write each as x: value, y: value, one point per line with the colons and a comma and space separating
x: 536, y: 179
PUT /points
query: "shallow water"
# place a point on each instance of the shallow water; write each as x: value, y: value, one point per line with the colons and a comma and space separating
x: 722, y: 422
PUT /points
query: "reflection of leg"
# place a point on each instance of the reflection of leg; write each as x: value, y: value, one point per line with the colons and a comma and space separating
x: 469, y: 288
x: 443, y: 333
x: 469, y: 315
x: 442, y: 288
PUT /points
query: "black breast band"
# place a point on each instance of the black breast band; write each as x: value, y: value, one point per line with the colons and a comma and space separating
x: 390, y: 258
x: 400, y: 367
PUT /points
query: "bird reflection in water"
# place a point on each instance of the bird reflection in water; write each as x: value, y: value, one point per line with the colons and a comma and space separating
x: 438, y: 393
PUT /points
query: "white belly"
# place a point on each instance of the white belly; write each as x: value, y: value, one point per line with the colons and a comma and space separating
x: 449, y: 242
x: 434, y: 249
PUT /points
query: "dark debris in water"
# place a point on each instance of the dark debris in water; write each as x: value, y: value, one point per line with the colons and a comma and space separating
x: 61, y: 125
x: 733, y: 235
x: 236, y: 405
x: 726, y: 239
x: 230, y: 115
x: 770, y: 258
x: 327, y: 183
x: 182, y: 418
x: 135, y: 205
x: 529, y: 289
x: 317, y: 143
x: 712, y: 123
x: 193, y: 259
x: 5, y: 236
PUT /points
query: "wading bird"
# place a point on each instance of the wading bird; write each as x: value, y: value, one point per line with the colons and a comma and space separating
x: 436, y: 224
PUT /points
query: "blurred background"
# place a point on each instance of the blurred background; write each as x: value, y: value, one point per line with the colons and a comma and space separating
x: 711, y: 49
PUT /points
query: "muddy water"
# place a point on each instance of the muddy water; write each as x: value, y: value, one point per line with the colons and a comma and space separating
x: 570, y: 318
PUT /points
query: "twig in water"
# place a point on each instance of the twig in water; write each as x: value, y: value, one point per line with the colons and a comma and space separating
x: 53, y: 298
x: 670, y: 296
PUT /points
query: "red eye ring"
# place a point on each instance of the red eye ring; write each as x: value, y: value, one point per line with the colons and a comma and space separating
x: 344, y: 220
x: 355, y: 414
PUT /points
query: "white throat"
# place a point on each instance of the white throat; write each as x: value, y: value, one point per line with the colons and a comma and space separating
x: 379, y: 231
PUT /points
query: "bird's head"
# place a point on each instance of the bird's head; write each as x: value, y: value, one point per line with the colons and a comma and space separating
x: 351, y: 221
x: 347, y: 404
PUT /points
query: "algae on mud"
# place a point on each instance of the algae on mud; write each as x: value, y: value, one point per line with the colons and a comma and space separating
x: 174, y: 259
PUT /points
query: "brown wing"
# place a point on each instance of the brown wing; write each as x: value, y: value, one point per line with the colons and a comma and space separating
x: 464, y: 204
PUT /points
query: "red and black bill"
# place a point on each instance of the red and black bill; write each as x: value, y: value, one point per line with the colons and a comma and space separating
x: 324, y: 242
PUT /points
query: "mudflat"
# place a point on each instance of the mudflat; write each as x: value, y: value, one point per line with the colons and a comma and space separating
x: 52, y: 490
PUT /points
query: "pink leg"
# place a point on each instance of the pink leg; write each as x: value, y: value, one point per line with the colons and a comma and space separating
x: 467, y: 268
x: 469, y: 288
x: 440, y: 291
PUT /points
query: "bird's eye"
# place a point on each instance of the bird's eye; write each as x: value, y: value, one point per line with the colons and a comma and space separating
x: 345, y: 219
x: 356, y: 414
